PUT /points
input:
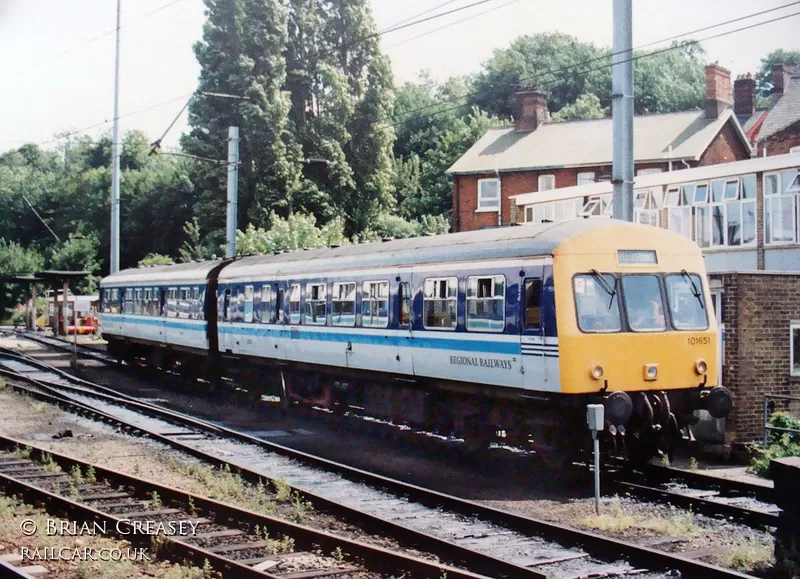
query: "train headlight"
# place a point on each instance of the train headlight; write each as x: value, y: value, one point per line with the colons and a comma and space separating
x: 701, y: 367
x: 597, y: 372
x: 650, y: 372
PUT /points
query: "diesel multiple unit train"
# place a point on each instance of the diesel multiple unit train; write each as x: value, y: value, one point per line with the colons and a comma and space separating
x: 494, y: 335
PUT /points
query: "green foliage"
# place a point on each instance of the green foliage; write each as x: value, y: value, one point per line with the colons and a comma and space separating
x: 764, y: 75
x: 79, y: 253
x: 155, y: 259
x: 298, y: 231
x: 195, y: 247
x: 780, y: 444
x: 16, y: 260
x: 586, y: 106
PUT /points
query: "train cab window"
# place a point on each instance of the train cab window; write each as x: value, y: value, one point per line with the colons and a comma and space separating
x: 686, y: 304
x: 533, y: 303
x: 294, y: 304
x: 643, y: 303
x: 316, y: 304
x: 344, y: 304
x: 597, y: 302
x: 248, y: 303
x: 439, y: 302
x: 266, y: 304
x: 375, y: 304
x: 404, y: 296
x: 486, y: 303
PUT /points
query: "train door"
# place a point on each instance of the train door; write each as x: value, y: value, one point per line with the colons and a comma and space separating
x: 533, y: 344
x: 162, y: 313
x: 404, y: 306
x: 226, y: 337
x: 282, y: 331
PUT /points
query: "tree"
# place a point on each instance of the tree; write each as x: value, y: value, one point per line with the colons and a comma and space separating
x: 670, y: 81
x: 242, y: 53
x: 77, y: 253
x: 16, y: 260
x: 341, y: 87
x: 764, y: 83
x: 586, y: 106
x: 297, y: 231
x: 195, y: 247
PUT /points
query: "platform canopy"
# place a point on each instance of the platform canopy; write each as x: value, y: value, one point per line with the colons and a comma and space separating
x: 54, y: 275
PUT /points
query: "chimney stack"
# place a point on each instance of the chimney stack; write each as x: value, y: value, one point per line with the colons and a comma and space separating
x: 744, y: 96
x: 781, y: 74
x: 531, y: 110
x: 718, y: 90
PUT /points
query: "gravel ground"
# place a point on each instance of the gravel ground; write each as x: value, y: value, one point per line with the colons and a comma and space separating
x: 509, y: 482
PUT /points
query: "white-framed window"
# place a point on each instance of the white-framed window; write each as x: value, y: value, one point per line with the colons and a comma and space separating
x: 547, y: 182
x: 598, y: 206
x: 553, y: 211
x: 343, y: 302
x: 294, y: 304
x: 488, y: 194
x: 585, y: 177
x: 316, y: 304
x: 486, y: 303
x: 781, y: 192
x: 266, y: 304
x: 646, y: 205
x: 439, y: 303
x: 650, y: 171
x: 794, y: 341
x: 375, y: 304
x: 248, y: 303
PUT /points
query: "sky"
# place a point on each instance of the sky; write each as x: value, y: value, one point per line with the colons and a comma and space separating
x: 57, y: 56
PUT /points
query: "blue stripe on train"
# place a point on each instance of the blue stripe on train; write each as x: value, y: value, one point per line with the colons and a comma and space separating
x: 443, y: 343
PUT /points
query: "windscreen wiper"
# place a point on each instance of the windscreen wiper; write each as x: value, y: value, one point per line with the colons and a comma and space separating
x: 695, y: 290
x: 601, y: 281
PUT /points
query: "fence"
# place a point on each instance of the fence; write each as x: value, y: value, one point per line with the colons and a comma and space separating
x: 774, y: 403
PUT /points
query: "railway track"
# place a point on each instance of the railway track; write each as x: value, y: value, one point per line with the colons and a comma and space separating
x: 236, y: 542
x: 749, y: 503
x: 478, y: 538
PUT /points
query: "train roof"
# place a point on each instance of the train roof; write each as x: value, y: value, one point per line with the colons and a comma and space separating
x: 180, y: 273
x: 497, y: 243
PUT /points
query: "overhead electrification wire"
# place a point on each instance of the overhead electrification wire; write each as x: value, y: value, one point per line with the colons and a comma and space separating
x: 449, y: 24
x: 442, y: 5
x: 93, y: 39
x: 605, y: 57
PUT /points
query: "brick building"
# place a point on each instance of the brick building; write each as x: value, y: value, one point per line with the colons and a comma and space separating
x: 760, y: 312
x: 537, y: 155
x: 774, y: 130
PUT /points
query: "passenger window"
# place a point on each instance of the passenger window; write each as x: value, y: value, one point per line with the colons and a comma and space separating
x: 404, y: 295
x: 266, y: 304
x: 533, y: 303
x: 279, y: 313
x: 226, y: 306
x: 294, y: 304
x: 316, y: 304
x: 439, y: 303
x: 344, y: 304
x: 375, y: 304
x: 597, y: 302
x: 643, y: 303
x: 248, y: 303
x: 485, y: 303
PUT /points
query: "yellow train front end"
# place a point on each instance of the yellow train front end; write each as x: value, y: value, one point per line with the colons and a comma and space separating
x: 637, y: 332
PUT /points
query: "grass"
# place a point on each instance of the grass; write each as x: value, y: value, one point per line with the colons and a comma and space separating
x: 615, y: 518
x: 748, y: 554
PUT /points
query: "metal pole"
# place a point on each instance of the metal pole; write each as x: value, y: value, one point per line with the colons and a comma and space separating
x: 596, y: 472
x: 622, y: 110
x: 74, y: 361
x: 64, y: 309
x: 115, y: 161
x: 233, y: 189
